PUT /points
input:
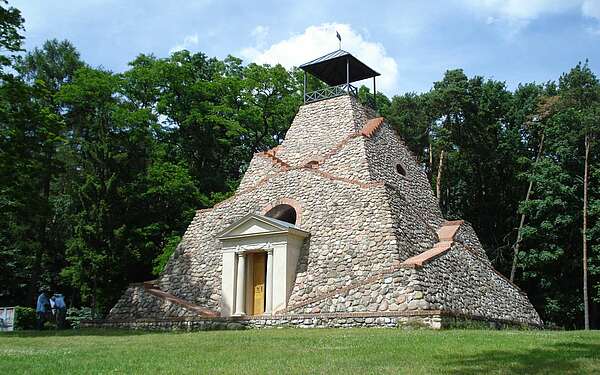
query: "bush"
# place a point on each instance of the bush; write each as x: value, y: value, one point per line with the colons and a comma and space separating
x: 161, y: 261
x: 24, y: 318
x: 75, y: 316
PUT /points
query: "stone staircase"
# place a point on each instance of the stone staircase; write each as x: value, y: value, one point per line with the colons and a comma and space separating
x: 152, y: 288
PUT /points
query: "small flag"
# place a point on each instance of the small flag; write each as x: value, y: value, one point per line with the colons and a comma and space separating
x: 338, y: 36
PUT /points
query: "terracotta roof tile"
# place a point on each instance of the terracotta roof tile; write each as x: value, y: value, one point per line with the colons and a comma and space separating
x: 371, y: 126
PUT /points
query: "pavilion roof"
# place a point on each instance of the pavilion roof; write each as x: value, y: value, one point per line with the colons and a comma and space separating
x: 331, y: 68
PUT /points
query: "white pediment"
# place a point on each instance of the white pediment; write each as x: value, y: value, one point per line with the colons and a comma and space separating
x: 252, y: 225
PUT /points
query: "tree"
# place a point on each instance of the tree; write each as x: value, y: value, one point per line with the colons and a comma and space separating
x: 11, y: 26
x: 558, y: 213
x: 581, y: 91
x: 46, y: 70
x: 544, y: 110
x: 449, y: 101
x: 109, y: 147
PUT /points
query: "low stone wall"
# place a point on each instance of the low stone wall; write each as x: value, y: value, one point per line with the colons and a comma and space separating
x: 431, y: 319
x: 172, y: 324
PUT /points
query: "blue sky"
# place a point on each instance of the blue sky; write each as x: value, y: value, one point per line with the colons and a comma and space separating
x: 410, y: 42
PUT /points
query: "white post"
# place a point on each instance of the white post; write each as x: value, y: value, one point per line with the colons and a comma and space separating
x: 240, y: 293
x: 269, y: 291
x: 348, y: 75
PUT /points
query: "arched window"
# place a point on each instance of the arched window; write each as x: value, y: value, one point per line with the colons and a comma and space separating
x: 283, y: 212
x: 400, y: 169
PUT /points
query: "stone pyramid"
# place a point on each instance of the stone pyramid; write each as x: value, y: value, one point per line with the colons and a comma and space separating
x: 377, y: 251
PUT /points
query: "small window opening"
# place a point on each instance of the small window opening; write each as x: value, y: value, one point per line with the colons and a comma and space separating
x: 283, y: 212
x: 400, y: 169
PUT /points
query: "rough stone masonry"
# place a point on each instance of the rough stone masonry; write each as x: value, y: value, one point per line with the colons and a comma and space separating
x: 379, y: 252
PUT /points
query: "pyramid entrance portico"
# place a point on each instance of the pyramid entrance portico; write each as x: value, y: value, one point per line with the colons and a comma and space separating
x: 337, y: 226
x: 260, y: 256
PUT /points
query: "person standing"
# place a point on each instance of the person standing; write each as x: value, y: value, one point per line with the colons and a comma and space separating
x: 52, y: 310
x: 61, y: 309
x: 41, y: 309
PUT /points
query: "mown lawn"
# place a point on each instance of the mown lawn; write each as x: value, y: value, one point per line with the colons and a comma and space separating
x: 299, y: 351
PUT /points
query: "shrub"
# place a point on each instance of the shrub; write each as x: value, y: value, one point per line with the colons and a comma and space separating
x: 75, y: 316
x: 24, y: 318
x: 161, y: 261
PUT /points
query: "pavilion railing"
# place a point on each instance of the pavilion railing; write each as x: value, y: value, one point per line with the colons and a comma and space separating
x: 330, y: 92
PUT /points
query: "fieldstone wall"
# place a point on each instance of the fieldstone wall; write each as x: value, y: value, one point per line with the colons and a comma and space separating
x: 351, y: 236
x: 350, y: 161
x: 425, y: 320
x: 460, y: 282
x: 318, y: 127
x: 385, y: 150
x: 467, y: 236
x: 169, y: 324
x: 260, y: 167
x: 413, y: 234
x: 395, y: 291
x: 416, y: 319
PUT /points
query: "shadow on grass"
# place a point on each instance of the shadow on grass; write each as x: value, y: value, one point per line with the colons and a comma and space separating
x: 79, y: 332
x: 567, y: 357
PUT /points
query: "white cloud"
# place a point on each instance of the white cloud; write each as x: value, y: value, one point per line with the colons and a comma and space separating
x: 260, y: 34
x: 523, y: 10
x: 316, y: 41
x: 188, y: 43
x: 517, y: 14
x: 591, y: 8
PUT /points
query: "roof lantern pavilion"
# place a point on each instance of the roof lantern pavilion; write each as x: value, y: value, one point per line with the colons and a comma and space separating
x: 337, y: 69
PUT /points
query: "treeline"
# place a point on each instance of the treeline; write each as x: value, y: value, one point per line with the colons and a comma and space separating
x: 101, y: 172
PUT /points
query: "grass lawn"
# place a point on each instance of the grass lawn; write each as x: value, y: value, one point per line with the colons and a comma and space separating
x: 300, y: 351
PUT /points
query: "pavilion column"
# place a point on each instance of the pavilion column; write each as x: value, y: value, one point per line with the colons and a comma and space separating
x: 305, y: 87
x: 374, y: 94
x: 240, y: 293
x: 269, y: 291
x: 348, y: 74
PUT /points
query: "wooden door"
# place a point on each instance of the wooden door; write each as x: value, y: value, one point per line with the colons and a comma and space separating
x: 259, y: 270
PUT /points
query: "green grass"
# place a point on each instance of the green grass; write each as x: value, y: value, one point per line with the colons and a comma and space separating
x: 298, y: 351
